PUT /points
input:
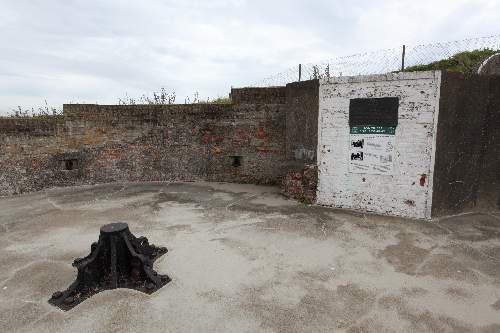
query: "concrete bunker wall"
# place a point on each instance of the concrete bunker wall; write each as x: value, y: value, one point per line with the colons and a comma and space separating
x: 467, y: 168
x: 302, y: 102
x: 378, y: 164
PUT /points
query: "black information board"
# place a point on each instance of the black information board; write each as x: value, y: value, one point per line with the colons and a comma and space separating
x: 374, y: 112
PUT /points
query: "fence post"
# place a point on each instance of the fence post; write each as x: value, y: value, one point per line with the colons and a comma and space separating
x: 300, y: 72
x: 403, y: 58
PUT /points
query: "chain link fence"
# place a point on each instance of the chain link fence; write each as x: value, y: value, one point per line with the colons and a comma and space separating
x: 381, y: 61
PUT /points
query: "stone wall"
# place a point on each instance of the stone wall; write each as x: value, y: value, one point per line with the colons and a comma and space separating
x: 256, y: 95
x: 90, y: 144
x: 301, y: 185
x: 38, y: 127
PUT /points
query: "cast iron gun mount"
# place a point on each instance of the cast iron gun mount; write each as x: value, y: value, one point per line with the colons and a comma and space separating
x: 117, y: 260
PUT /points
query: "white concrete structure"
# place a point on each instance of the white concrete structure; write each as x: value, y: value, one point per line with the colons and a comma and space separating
x: 382, y: 172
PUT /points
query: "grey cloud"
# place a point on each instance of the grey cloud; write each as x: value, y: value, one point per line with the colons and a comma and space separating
x: 96, y: 51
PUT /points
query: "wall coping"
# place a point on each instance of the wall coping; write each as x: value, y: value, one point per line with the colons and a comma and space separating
x: 399, y: 76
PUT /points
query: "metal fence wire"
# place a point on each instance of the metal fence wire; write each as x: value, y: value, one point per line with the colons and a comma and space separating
x: 380, y: 62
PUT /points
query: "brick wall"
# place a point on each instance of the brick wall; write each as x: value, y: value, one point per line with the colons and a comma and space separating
x: 43, y: 126
x: 255, y: 95
x: 104, y: 143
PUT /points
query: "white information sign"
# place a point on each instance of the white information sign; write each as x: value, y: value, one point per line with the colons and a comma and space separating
x: 371, y: 153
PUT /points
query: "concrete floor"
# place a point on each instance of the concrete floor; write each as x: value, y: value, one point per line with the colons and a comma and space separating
x: 244, y: 259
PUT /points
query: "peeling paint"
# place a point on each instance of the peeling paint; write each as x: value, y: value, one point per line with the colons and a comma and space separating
x: 341, y: 185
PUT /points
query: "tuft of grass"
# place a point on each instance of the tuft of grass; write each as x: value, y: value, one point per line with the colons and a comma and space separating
x: 164, y: 97
x: 467, y: 62
x: 221, y: 100
x: 44, y: 111
x: 161, y: 97
x: 305, y: 201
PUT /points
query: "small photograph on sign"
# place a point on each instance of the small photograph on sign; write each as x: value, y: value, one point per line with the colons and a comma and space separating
x: 371, y: 153
x: 358, y: 143
x: 357, y: 156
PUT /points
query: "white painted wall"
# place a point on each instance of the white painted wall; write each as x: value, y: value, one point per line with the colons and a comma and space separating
x: 399, y: 193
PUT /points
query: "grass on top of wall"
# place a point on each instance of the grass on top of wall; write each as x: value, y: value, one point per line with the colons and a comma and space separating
x: 467, y: 62
x: 161, y: 97
x: 42, y: 112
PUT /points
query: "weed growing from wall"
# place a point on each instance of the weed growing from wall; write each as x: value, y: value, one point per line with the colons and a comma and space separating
x: 40, y: 112
x: 164, y: 97
x: 161, y: 97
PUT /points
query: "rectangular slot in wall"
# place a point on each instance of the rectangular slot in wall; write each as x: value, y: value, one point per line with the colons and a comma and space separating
x: 236, y: 161
x: 70, y: 164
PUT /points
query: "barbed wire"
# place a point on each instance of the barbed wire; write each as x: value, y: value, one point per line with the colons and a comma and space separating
x: 380, y: 61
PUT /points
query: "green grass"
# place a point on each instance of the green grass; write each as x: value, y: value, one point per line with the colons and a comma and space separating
x: 41, y: 112
x: 221, y: 100
x: 467, y: 62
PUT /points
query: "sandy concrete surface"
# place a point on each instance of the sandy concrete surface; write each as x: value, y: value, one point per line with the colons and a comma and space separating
x: 244, y: 259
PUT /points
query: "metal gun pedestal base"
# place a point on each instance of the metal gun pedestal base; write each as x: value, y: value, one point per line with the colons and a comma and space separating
x: 117, y: 260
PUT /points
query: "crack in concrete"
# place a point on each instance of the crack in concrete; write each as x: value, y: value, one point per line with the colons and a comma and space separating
x: 41, y: 317
x: 18, y: 269
x: 56, y: 206
x: 240, y: 200
x: 109, y: 195
x: 494, y: 216
x: 242, y: 227
x: 462, y: 245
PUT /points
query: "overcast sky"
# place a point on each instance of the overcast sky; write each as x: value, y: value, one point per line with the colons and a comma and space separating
x: 97, y: 51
